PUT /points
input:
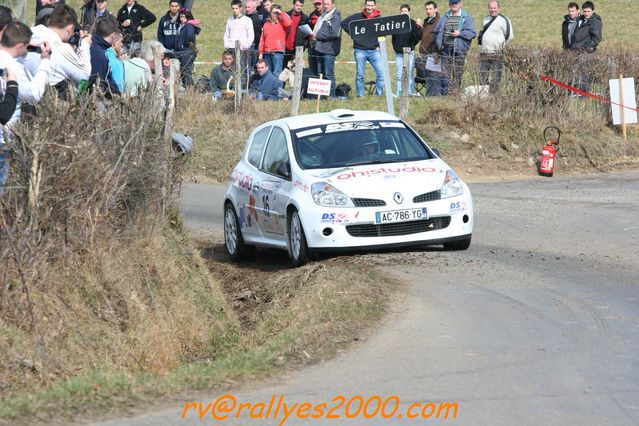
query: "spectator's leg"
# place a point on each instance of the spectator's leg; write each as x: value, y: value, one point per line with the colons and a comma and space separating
x: 411, y: 74
x: 278, y: 61
x: 4, y: 169
x: 329, y: 71
x: 312, y: 61
x: 497, y: 70
x: 320, y: 63
x: 458, y: 72
x: 268, y: 57
x: 186, y: 67
x: 484, y: 69
x: 375, y: 58
x: 360, y: 64
x: 188, y: 4
x: 447, y: 72
x: 399, y: 64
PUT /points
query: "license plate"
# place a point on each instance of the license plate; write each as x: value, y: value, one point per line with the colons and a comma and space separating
x: 401, y: 215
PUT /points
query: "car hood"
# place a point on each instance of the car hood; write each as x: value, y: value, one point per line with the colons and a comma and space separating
x: 383, y: 180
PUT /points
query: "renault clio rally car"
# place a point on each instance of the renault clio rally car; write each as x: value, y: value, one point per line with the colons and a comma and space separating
x: 343, y: 180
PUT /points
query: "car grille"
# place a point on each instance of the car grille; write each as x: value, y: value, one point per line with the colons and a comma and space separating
x: 429, y: 196
x: 368, y: 202
x: 399, y: 228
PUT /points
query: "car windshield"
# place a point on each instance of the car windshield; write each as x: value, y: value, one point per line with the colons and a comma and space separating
x: 354, y: 143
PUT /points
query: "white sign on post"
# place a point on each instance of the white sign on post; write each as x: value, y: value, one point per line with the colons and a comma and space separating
x: 629, y: 101
x: 317, y: 86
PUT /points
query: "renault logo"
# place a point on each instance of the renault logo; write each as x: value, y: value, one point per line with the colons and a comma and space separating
x: 398, y: 198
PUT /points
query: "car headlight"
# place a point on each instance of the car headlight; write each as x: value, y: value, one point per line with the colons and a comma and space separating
x: 452, y: 185
x: 327, y: 195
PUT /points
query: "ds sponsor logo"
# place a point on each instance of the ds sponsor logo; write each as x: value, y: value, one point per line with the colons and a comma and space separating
x: 334, y: 218
x: 458, y: 206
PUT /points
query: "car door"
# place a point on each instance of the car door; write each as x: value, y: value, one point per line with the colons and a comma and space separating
x: 248, y: 176
x: 274, y: 185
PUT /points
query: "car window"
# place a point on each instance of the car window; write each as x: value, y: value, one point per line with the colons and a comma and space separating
x: 257, y: 147
x: 365, y: 142
x: 276, y: 151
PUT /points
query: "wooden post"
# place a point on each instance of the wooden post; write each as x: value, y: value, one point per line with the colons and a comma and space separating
x: 623, y: 109
x: 297, y: 84
x: 387, y: 83
x: 318, y: 96
x: 238, y: 77
x: 403, y: 105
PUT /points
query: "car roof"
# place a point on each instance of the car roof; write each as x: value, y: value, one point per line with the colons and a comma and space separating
x: 335, y: 116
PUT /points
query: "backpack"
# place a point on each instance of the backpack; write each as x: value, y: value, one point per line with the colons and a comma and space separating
x: 342, y: 91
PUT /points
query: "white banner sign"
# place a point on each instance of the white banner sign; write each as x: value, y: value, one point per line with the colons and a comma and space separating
x: 629, y: 101
x: 317, y: 86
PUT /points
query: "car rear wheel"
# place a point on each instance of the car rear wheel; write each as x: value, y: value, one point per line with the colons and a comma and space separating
x: 297, y: 240
x: 233, y: 240
x: 458, y: 245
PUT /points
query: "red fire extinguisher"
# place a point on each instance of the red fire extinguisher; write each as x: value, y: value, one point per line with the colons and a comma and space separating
x: 549, y: 152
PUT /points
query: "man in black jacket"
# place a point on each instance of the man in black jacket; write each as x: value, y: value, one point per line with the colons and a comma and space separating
x: 295, y: 37
x: 585, y: 40
x: 410, y: 40
x: 132, y: 17
x: 569, y: 25
x: 366, y: 49
x: 168, y: 26
x: 258, y: 22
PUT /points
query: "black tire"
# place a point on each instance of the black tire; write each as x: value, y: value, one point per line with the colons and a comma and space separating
x: 233, y: 240
x: 298, y: 248
x: 458, y: 245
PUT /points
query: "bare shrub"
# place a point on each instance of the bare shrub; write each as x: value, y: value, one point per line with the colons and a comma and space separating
x: 88, y: 270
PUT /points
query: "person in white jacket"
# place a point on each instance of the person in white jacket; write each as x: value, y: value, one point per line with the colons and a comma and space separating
x: 496, y: 33
x: 238, y: 27
x: 69, y: 64
x: 13, y: 45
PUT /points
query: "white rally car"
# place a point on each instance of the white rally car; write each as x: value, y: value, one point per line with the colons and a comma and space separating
x: 343, y: 180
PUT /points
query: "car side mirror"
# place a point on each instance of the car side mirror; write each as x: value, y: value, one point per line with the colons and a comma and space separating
x: 284, y: 169
x: 437, y: 153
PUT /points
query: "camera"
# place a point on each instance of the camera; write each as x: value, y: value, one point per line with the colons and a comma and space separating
x: 34, y: 49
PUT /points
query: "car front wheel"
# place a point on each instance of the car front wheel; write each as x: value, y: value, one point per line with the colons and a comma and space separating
x: 233, y: 240
x: 298, y: 249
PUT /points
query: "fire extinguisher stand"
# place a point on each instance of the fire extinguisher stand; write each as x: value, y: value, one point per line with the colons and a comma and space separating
x: 549, y: 152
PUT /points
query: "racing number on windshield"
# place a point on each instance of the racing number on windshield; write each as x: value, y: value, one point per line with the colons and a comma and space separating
x: 266, y: 206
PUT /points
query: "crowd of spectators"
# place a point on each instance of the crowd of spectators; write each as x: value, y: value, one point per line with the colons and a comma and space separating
x: 98, y: 49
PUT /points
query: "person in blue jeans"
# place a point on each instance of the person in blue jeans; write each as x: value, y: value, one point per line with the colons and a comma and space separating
x: 366, y: 49
x: 410, y: 40
x: 453, y: 35
x: 327, y: 34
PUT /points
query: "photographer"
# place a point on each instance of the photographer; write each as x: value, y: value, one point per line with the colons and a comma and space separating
x: 273, y: 42
x: 14, y: 43
x: 69, y: 65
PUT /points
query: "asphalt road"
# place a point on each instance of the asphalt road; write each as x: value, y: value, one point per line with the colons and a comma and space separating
x: 536, y: 324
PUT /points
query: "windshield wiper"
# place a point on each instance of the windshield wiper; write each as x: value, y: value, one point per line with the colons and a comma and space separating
x: 360, y: 163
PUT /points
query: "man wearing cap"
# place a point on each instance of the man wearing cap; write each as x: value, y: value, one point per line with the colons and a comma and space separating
x: 366, y: 49
x: 454, y: 34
